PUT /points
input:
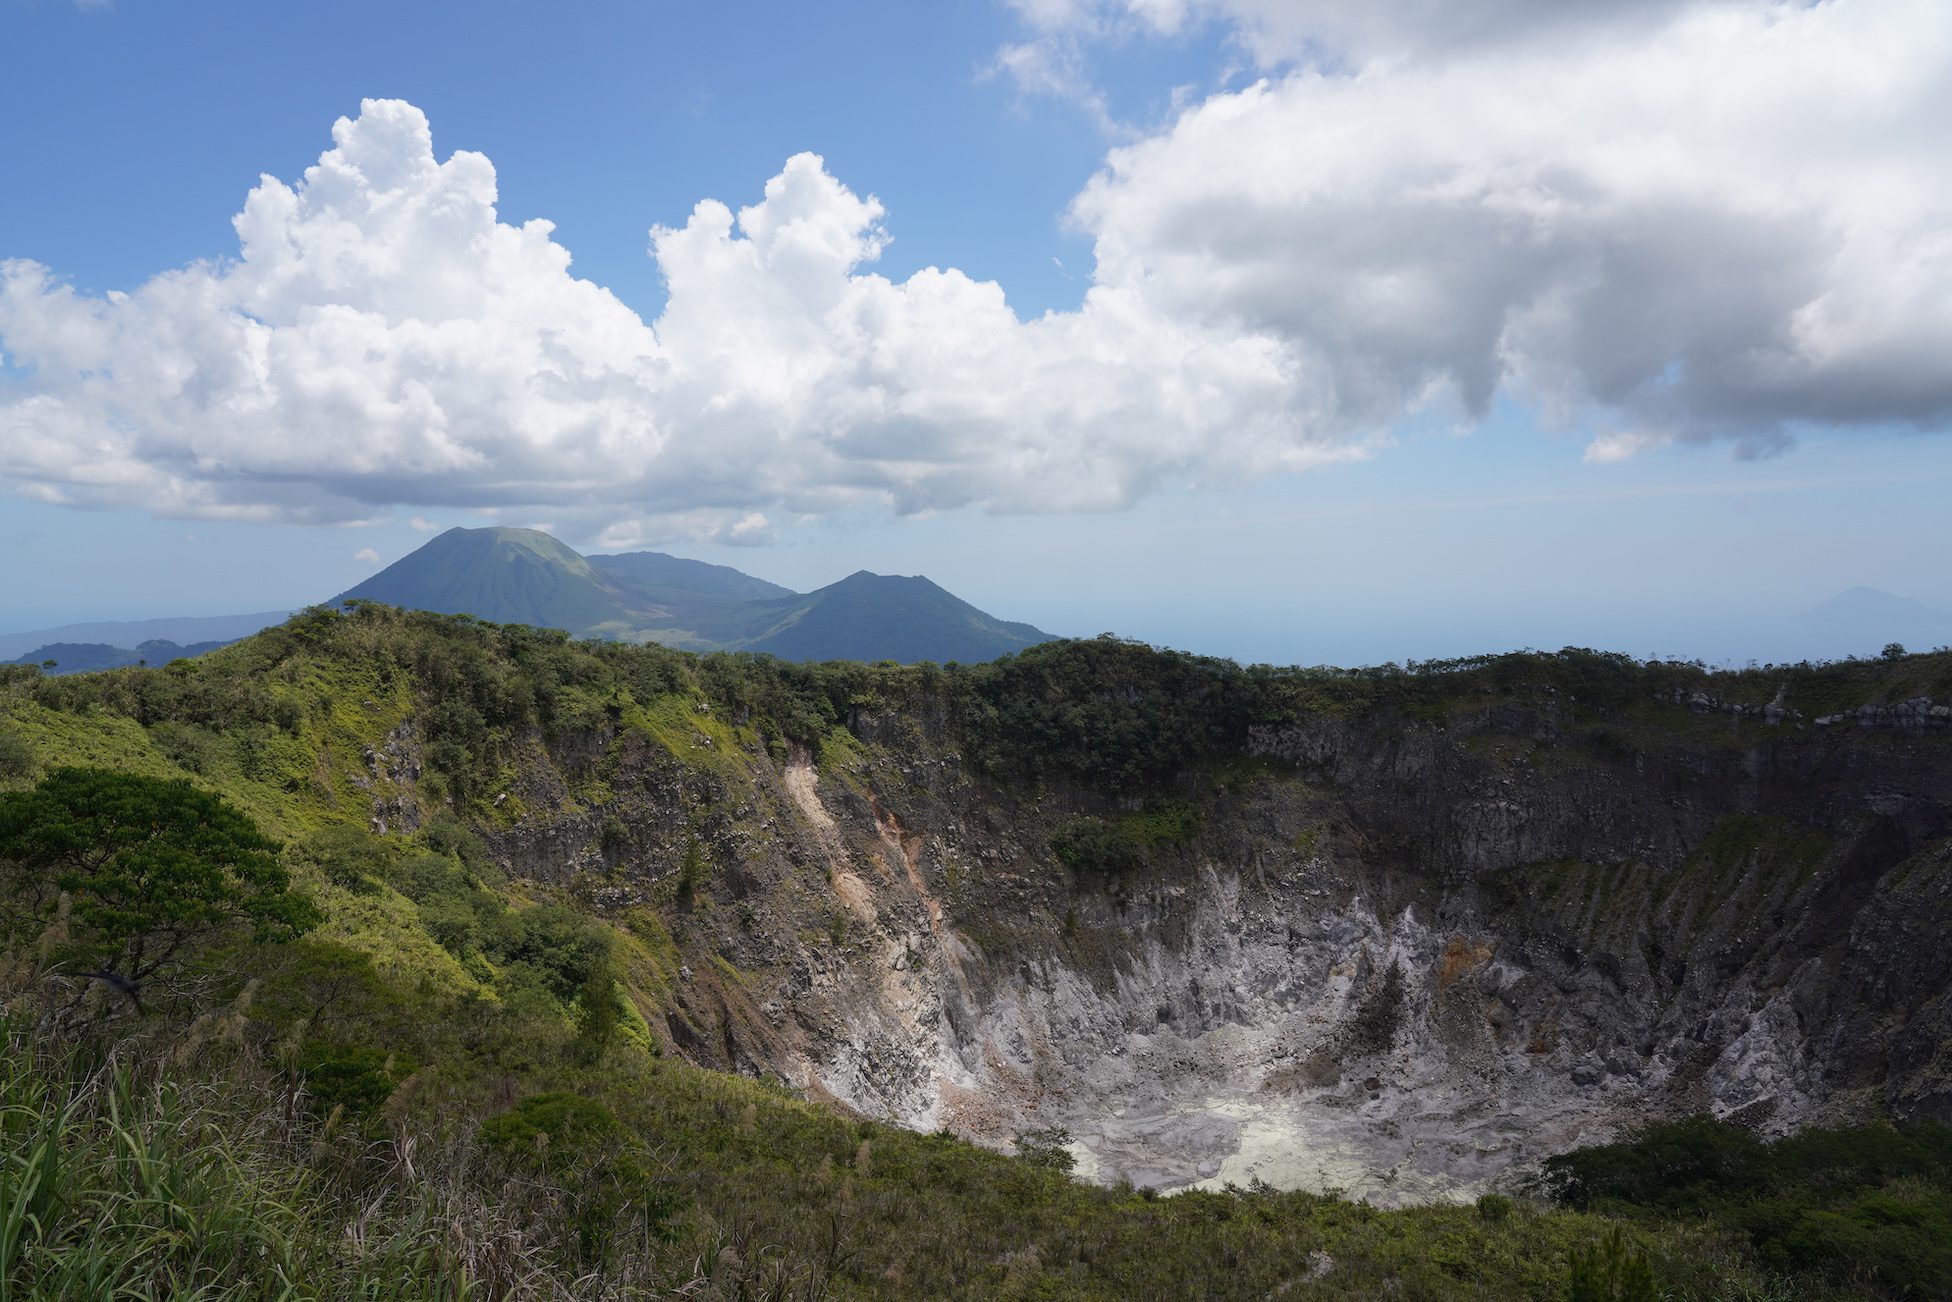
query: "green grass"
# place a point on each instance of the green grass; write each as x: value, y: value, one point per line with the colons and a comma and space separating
x: 685, y: 725
x: 387, y: 925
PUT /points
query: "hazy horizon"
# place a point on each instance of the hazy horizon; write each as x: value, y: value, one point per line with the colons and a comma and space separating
x: 1209, y: 625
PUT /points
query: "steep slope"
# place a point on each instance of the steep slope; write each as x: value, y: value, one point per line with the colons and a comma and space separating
x: 878, y: 617
x: 1396, y: 933
x: 507, y: 576
x: 1391, y: 933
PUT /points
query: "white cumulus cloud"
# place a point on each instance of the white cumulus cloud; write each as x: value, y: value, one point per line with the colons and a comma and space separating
x: 383, y: 338
x: 1732, y: 227
x: 380, y: 337
x: 367, y: 556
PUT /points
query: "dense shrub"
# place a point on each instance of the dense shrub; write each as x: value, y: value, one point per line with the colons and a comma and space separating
x: 346, y: 855
x: 1047, y: 1147
x: 1097, y: 845
x: 446, y: 834
x: 353, y: 1079
x: 325, y: 987
x: 1108, y: 713
x: 579, y: 1145
x: 454, y: 907
x: 1866, y: 1203
x: 188, y: 745
x: 1671, y: 1166
x: 16, y: 756
x: 1610, y: 1271
x: 552, y: 1125
x: 563, y: 948
x: 1124, y: 842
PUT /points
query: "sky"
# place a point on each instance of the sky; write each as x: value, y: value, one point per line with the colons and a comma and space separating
x: 1296, y: 331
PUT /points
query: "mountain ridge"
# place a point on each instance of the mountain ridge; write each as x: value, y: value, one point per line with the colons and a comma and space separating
x: 651, y: 571
x: 1861, y: 601
x: 1872, y: 616
x: 126, y: 634
x: 525, y: 576
x: 868, y: 616
x: 89, y: 657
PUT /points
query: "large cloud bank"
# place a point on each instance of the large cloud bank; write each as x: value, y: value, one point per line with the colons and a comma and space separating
x: 1652, y: 222
x: 1725, y: 220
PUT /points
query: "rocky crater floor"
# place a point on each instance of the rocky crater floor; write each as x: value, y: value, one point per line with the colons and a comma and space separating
x: 1403, y: 958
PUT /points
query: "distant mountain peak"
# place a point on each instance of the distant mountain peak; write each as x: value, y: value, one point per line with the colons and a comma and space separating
x: 1866, y: 618
x: 87, y: 657
x: 864, y: 578
x: 869, y: 616
x: 1861, y: 601
x: 187, y: 630
x: 511, y: 576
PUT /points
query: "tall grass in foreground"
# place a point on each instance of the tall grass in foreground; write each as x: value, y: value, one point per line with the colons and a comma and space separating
x: 118, y: 1182
x: 139, y: 1166
x: 115, y: 1187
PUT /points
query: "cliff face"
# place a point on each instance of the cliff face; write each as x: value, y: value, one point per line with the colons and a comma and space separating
x: 1396, y: 955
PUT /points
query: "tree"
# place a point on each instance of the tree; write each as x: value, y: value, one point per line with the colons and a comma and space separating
x: 1893, y: 651
x: 599, y: 1013
x: 691, y: 874
x: 347, y: 856
x: 150, y: 868
x: 1047, y: 1147
x: 327, y: 987
x: 16, y: 756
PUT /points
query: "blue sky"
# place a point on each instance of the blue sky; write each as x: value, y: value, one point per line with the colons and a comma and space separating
x: 1258, y: 329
